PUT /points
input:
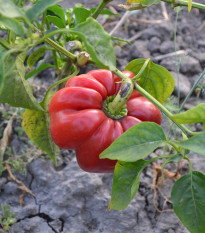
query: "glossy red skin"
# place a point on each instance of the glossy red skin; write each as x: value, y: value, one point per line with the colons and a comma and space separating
x: 77, y: 121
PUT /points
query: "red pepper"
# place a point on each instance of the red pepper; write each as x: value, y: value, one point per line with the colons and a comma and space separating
x: 79, y: 121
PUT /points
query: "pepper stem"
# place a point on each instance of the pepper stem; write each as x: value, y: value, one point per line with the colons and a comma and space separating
x: 123, y: 95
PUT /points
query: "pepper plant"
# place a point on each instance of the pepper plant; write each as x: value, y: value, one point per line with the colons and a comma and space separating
x: 118, y: 100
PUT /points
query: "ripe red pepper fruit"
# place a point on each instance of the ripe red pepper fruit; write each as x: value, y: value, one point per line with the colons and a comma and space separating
x: 79, y: 121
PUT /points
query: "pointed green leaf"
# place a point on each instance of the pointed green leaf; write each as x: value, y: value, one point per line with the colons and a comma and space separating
x: 81, y: 14
x: 12, y: 24
x: 126, y: 179
x: 56, y: 10
x: 193, y: 115
x: 195, y: 143
x: 37, y: 9
x: 136, y: 143
x: 97, y: 43
x: 155, y: 79
x: 15, y: 90
x: 188, y: 201
x: 56, y: 21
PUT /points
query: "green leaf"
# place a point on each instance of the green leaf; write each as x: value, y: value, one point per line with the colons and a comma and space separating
x: 9, y: 9
x: 194, y: 115
x: 15, y: 90
x: 140, y: 4
x: 188, y: 201
x: 105, y: 11
x: 126, y: 179
x: 195, y: 143
x: 81, y: 14
x: 56, y: 15
x: 2, y: 61
x: 136, y: 143
x: 33, y: 12
x: 12, y: 24
x: 56, y: 10
x: 38, y: 69
x: 56, y: 21
x: 155, y: 79
x: 34, y: 57
x: 97, y: 43
x: 36, y: 126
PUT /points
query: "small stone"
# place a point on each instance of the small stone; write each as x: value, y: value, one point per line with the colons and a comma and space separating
x: 139, y: 50
x: 184, y: 84
x: 167, y: 47
x: 163, y: 30
x: 169, y: 63
x: 154, y: 44
x: 190, y: 66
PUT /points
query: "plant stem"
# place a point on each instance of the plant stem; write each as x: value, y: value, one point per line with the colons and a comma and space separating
x: 163, y: 109
x: 56, y: 45
x: 177, y: 59
x: 61, y: 49
x: 137, y: 77
x: 100, y: 8
x: 174, y: 146
x: 190, y: 166
x: 191, y: 91
x: 185, y: 3
x: 123, y: 95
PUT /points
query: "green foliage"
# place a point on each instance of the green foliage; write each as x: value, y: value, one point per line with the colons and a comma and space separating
x: 33, y: 12
x: 126, y: 181
x: 136, y: 143
x: 34, y: 57
x: 9, y: 9
x: 46, y: 22
x: 194, y: 115
x: 155, y: 79
x: 195, y: 143
x: 81, y: 13
x: 38, y: 69
x: 97, y: 43
x: 188, y: 201
x: 7, y: 218
x: 55, y: 14
x: 12, y: 24
x: 15, y: 89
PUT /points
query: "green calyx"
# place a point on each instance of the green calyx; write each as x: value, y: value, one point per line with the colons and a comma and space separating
x: 118, y: 115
